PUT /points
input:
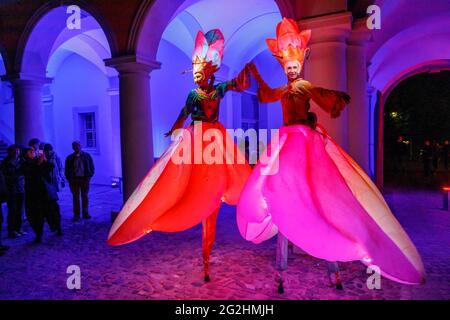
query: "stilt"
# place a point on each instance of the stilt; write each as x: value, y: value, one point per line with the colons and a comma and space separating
x: 333, y: 272
x: 281, y: 260
x: 208, y: 236
x: 279, y: 280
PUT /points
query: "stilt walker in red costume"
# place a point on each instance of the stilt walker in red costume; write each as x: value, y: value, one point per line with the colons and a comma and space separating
x: 309, y: 190
x: 201, y: 168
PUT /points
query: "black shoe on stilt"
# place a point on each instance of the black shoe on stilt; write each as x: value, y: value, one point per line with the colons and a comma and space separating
x: 280, y: 288
x: 337, y: 277
x: 207, y: 278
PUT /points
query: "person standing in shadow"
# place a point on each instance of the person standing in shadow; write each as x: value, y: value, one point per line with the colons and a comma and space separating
x: 12, y: 170
x: 3, y: 197
x: 445, y: 154
x: 38, y: 193
x: 79, y: 169
x: 53, y: 179
x: 427, y: 158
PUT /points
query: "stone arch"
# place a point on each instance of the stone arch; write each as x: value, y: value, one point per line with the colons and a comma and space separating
x: 402, y: 48
x: 42, y: 12
x: 425, y: 67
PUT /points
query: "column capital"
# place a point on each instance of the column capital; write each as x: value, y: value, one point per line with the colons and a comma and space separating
x: 360, y: 34
x: 328, y: 28
x: 113, y: 89
x: 371, y: 90
x: 21, y: 79
x: 133, y: 64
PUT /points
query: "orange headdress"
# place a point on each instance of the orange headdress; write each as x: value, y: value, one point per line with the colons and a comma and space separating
x: 290, y: 44
x: 208, y: 52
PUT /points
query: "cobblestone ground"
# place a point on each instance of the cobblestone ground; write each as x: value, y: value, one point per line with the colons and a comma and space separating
x: 168, y: 266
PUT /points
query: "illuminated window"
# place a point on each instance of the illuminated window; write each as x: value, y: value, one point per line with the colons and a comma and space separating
x: 88, y: 134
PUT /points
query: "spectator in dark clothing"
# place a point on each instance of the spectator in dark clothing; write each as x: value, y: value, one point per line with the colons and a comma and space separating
x: 38, y: 195
x: 3, y: 197
x: 446, y: 153
x: 53, y: 180
x: 57, y: 176
x: 35, y: 143
x: 436, y: 153
x: 400, y: 153
x: 12, y: 170
x: 79, y: 169
x: 427, y: 158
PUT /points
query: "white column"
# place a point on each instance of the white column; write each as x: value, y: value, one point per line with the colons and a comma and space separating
x: 113, y: 93
x: 135, y: 118
x: 327, y: 65
x: 358, y: 110
x: 28, y: 110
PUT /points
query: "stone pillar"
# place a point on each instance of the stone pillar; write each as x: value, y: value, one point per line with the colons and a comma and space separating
x: 135, y: 118
x: 113, y: 93
x: 327, y: 65
x: 28, y: 111
x: 358, y: 110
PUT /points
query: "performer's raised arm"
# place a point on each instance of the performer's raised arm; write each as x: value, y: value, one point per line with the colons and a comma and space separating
x: 240, y: 83
x: 265, y: 93
x: 331, y: 101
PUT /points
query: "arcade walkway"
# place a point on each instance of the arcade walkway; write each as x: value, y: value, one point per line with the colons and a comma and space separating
x: 168, y: 266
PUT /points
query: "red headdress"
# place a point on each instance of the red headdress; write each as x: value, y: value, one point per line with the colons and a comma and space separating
x: 290, y: 44
x: 208, y: 52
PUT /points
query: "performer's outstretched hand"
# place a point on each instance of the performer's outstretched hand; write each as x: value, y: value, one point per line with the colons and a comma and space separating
x: 254, y: 71
x: 345, y: 97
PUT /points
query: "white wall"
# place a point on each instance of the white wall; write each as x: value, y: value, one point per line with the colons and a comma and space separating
x: 169, y: 90
x: 272, y: 72
x: 80, y: 86
x: 6, y: 113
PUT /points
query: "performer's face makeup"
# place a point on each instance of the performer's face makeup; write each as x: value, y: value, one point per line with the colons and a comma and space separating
x: 199, y: 77
x: 292, y: 69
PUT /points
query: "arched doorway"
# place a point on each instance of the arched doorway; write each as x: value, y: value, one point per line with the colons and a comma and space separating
x: 403, y: 47
x: 416, y: 125
x: 74, y: 96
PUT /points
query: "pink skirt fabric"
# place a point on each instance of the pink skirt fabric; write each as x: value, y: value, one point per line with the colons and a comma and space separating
x: 176, y: 196
x: 314, y: 193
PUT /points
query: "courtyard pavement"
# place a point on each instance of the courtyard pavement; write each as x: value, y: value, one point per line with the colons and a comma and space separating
x: 168, y: 265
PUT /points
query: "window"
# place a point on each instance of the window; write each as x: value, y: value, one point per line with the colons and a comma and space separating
x: 250, y: 112
x: 250, y: 120
x: 88, y: 134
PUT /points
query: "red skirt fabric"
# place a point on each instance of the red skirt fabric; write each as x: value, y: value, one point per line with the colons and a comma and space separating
x: 176, y: 196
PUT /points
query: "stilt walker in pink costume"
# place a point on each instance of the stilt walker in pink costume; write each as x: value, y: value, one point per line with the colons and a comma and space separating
x: 312, y: 192
x: 179, y: 191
